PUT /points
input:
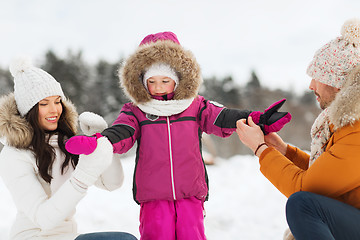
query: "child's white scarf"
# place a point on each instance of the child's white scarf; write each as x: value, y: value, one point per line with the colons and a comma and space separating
x: 165, y: 108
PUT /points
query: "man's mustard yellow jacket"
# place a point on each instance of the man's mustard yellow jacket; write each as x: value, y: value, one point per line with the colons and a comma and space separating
x: 336, y: 173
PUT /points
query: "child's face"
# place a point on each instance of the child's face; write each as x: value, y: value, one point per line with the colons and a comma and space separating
x: 160, y: 85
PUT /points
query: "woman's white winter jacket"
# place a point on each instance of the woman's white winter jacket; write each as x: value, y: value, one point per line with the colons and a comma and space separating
x: 44, y: 211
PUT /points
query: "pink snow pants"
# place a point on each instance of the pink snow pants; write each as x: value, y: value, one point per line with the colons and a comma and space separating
x: 172, y: 220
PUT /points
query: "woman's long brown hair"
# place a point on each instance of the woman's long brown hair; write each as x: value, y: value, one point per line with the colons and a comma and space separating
x: 44, y: 152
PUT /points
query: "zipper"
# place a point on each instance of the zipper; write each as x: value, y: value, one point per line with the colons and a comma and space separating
x: 171, y: 160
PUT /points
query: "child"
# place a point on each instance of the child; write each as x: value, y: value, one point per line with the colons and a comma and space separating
x: 166, y: 118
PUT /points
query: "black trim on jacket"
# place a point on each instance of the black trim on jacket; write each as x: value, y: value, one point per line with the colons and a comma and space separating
x: 228, y: 117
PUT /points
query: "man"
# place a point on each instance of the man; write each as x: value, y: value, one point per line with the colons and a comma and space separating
x: 323, y: 187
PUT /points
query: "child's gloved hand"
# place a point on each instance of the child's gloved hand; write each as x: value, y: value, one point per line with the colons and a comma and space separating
x: 271, y: 120
x: 82, y: 144
x: 91, y: 124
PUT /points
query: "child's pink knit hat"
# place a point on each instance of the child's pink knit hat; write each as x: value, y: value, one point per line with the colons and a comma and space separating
x: 333, y: 62
x: 160, y: 36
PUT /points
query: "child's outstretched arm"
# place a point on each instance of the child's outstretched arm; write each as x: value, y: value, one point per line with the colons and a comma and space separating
x: 116, y: 134
x: 122, y: 136
x: 269, y: 121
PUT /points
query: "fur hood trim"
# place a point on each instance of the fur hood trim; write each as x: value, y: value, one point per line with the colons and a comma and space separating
x: 165, y: 51
x: 345, y: 109
x: 16, y: 130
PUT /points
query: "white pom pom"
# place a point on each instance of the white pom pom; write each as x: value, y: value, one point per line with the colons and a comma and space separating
x: 19, y: 65
x: 351, y: 31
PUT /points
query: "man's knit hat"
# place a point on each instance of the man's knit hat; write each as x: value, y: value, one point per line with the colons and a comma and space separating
x: 32, y: 85
x: 333, y: 62
x: 160, y: 69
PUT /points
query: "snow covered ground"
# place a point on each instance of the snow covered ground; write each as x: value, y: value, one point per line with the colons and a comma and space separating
x: 242, y: 204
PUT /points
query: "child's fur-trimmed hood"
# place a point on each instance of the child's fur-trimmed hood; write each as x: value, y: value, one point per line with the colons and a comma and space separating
x: 165, y: 51
x: 16, y: 131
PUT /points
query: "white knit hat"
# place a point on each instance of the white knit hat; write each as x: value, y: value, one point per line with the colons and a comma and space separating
x: 32, y: 85
x: 160, y: 69
x: 334, y: 61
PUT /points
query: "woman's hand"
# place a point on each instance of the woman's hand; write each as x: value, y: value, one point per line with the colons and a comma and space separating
x: 90, y: 167
x: 250, y: 135
x: 274, y: 140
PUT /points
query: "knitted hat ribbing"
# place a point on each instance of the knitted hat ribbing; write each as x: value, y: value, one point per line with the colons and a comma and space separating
x: 32, y: 85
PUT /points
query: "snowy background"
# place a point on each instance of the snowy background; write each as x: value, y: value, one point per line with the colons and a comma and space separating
x: 242, y: 204
x: 277, y: 38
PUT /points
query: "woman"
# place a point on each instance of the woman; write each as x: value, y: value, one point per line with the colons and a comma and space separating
x: 45, y: 181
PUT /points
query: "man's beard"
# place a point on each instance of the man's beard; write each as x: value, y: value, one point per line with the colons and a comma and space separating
x: 323, y: 104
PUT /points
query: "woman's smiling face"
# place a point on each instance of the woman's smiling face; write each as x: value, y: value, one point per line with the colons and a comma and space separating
x: 50, y: 110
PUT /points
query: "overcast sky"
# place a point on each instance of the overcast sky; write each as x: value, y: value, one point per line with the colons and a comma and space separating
x: 276, y: 38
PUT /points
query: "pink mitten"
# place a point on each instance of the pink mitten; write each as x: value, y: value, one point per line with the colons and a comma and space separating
x: 271, y: 120
x: 82, y: 144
